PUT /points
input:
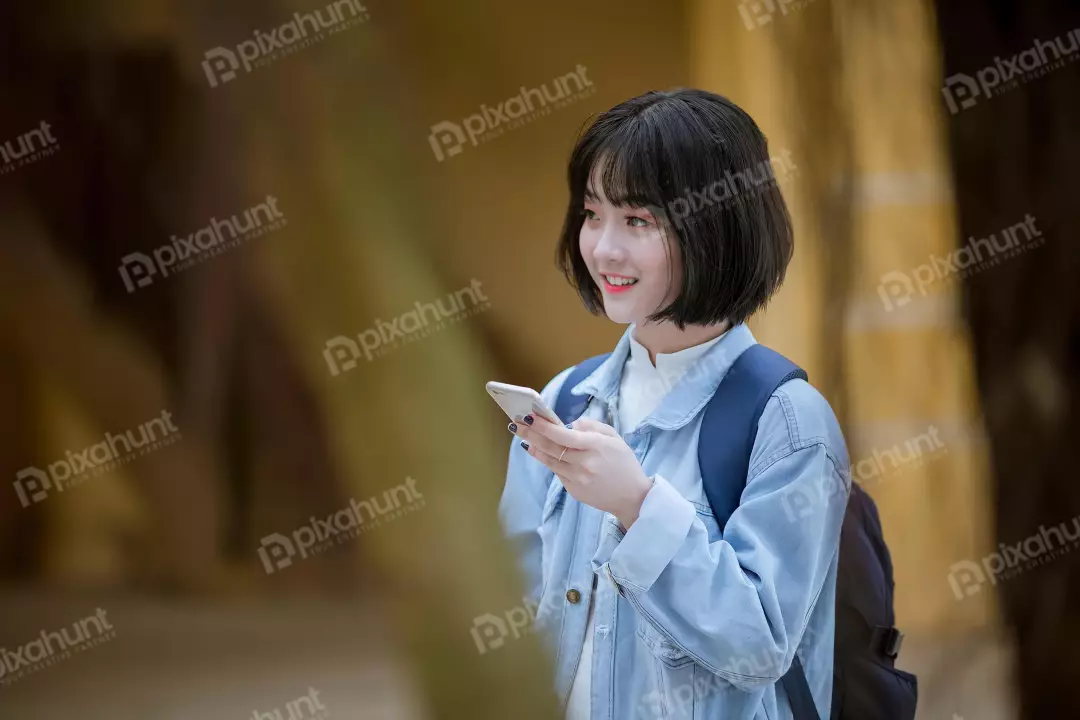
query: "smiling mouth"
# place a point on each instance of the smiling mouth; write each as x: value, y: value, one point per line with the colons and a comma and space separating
x: 618, y: 283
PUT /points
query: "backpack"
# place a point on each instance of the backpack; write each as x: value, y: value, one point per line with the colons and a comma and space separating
x: 866, y: 684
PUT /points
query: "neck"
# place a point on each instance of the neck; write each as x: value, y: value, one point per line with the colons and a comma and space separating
x: 665, y: 338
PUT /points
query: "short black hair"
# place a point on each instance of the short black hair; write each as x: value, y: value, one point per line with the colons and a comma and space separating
x: 671, y: 152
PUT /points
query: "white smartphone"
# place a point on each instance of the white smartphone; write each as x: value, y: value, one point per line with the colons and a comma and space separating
x: 517, y: 402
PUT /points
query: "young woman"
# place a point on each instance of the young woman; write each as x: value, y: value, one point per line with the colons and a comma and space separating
x: 677, y: 229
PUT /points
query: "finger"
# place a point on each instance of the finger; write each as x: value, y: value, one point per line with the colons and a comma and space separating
x: 595, y: 426
x: 534, y: 438
x: 563, y: 436
x: 516, y: 427
x: 552, y: 462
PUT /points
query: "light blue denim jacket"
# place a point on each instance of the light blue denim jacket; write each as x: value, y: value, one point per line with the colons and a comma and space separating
x: 691, y: 622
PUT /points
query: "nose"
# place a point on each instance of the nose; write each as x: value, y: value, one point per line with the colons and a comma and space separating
x: 609, y: 249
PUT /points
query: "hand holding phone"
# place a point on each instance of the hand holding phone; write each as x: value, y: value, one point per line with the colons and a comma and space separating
x: 603, y: 470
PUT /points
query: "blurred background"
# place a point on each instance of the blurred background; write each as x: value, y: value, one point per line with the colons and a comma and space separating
x: 259, y: 258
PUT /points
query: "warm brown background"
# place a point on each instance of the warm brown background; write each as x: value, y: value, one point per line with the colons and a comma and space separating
x: 338, y: 133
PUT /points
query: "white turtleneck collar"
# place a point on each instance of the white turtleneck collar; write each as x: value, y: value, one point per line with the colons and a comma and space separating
x: 644, y: 385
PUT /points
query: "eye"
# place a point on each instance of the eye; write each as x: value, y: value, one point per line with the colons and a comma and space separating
x: 589, y: 214
x: 638, y: 222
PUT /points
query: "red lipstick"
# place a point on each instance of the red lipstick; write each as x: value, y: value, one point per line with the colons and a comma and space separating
x: 614, y: 289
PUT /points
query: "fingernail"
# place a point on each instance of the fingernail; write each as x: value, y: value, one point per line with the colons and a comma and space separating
x: 528, y: 419
x: 524, y: 445
x: 512, y: 427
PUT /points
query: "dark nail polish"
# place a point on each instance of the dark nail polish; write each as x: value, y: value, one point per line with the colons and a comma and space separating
x: 569, y: 426
x: 512, y: 427
x: 528, y: 419
x: 524, y: 445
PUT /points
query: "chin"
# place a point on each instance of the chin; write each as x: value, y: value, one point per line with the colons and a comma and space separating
x: 620, y: 315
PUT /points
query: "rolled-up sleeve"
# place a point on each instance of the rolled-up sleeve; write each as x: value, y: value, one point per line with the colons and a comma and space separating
x: 639, y: 556
x: 749, y: 594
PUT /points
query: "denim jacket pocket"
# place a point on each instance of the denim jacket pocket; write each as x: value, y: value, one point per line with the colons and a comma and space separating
x: 556, y: 493
x: 549, y: 527
x: 662, y: 649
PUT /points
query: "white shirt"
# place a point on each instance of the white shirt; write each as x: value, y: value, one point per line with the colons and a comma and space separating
x: 641, y: 388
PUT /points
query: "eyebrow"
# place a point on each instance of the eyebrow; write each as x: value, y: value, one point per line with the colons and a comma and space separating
x: 590, y: 196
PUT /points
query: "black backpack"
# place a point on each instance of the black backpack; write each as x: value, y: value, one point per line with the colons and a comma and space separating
x: 866, y: 684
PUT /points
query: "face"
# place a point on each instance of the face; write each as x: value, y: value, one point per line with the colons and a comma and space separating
x: 625, y: 252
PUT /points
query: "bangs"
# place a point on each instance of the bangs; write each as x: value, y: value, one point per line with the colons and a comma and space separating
x: 626, y: 164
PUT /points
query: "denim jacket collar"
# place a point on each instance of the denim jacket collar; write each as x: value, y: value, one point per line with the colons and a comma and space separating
x: 691, y: 392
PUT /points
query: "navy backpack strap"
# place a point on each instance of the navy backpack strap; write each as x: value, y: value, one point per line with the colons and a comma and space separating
x: 798, y: 692
x: 725, y: 443
x: 568, y: 406
x: 730, y: 424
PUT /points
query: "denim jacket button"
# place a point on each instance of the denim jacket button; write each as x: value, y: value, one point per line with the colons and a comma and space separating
x: 573, y: 596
